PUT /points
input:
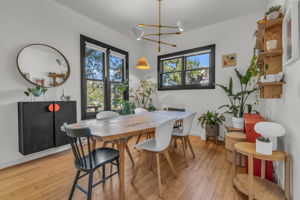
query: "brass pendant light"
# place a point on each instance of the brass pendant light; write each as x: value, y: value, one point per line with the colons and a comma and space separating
x: 139, y: 32
x: 143, y: 64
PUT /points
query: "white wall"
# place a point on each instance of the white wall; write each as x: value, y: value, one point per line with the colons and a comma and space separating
x: 287, y: 112
x: 36, y: 21
x: 232, y: 36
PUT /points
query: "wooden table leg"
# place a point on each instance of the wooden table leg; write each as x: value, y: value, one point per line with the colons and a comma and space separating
x: 263, y: 169
x: 122, y: 170
x: 93, y: 144
x: 287, y: 178
x: 234, y: 164
x: 250, y: 177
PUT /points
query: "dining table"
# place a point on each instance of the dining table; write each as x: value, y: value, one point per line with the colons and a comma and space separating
x: 121, y: 127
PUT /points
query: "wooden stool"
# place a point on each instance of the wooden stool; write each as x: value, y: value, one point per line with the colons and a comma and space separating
x: 230, y: 139
x: 232, y: 129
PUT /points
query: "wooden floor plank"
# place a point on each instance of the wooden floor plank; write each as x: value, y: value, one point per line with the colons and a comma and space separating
x: 207, y: 177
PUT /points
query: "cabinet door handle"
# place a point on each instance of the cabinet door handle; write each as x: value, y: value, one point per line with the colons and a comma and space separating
x: 53, y: 107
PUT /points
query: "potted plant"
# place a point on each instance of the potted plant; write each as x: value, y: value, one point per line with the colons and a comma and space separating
x: 264, y: 145
x: 126, y: 107
x: 211, y: 121
x: 35, y: 92
x: 274, y: 12
x: 238, y: 101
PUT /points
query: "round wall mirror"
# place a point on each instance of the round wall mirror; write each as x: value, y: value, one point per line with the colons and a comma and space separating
x: 43, y: 65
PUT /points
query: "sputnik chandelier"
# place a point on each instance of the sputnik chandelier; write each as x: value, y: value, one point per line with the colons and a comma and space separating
x: 139, y: 32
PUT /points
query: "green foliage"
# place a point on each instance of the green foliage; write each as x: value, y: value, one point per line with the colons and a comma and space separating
x: 36, y: 92
x: 127, y: 107
x: 211, y: 118
x: 142, y: 96
x: 238, y: 101
x: 273, y: 8
x: 95, y: 95
x: 264, y: 139
x: 256, y: 69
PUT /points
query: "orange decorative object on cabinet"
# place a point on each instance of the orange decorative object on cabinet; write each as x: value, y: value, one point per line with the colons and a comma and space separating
x: 251, y: 135
x: 53, y: 107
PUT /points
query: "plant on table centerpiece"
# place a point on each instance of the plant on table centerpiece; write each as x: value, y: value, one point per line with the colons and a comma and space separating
x: 142, y: 96
x: 274, y: 12
x: 35, y: 92
x: 264, y: 145
x: 126, y: 107
x: 211, y: 121
x: 238, y: 101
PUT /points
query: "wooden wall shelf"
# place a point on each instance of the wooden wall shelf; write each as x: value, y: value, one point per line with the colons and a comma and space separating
x: 271, y: 90
x: 270, y: 30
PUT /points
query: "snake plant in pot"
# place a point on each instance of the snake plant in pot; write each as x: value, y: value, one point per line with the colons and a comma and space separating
x: 211, y: 121
x: 238, y: 101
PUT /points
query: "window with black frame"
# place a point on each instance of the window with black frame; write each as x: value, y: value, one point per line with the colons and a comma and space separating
x: 190, y: 69
x: 103, y: 69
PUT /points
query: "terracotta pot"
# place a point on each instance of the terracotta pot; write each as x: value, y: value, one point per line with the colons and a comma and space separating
x: 212, y: 130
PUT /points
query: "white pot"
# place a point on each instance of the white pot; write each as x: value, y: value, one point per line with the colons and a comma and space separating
x: 264, y: 147
x: 238, y: 122
x: 273, y: 15
x: 271, y: 44
x: 272, y: 78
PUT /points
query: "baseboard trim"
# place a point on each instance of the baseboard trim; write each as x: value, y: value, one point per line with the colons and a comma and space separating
x: 33, y: 156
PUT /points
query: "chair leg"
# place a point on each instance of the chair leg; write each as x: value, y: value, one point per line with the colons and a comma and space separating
x: 103, y: 173
x: 90, y: 187
x: 167, y: 155
x: 136, y: 168
x: 190, y: 145
x: 118, y: 166
x: 184, y: 150
x: 129, y: 154
x: 74, y: 184
x: 174, y: 143
x: 158, y: 173
x: 104, y: 144
x: 151, y: 158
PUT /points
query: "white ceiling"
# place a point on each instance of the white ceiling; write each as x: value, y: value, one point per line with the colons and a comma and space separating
x: 122, y: 15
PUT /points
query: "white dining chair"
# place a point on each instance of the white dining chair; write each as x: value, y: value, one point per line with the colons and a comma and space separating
x: 157, y: 145
x: 110, y: 114
x: 182, y: 134
x: 140, y: 110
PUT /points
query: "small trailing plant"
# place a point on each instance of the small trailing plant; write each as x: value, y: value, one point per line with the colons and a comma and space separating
x: 257, y: 68
x: 264, y: 139
x: 273, y: 9
x: 211, y: 118
x: 36, y: 92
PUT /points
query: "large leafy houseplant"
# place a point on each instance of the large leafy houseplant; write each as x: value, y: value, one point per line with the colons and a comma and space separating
x: 239, y: 101
x: 142, y: 96
x: 126, y: 107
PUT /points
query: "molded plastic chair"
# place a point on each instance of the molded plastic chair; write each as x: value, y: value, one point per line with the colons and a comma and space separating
x: 178, y: 124
x: 182, y: 134
x: 110, y: 114
x: 88, y: 160
x: 140, y: 110
x: 157, y: 145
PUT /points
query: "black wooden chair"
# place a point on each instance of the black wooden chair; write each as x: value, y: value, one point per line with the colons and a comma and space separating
x: 87, y: 161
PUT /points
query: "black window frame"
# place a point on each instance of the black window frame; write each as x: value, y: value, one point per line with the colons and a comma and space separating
x: 106, y: 80
x: 180, y: 54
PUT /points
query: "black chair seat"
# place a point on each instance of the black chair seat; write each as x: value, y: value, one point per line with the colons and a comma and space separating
x: 100, y: 157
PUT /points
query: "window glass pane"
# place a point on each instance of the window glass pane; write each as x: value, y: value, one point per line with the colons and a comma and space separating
x: 170, y: 79
x: 95, y: 97
x: 115, y: 96
x: 197, y: 61
x: 116, y: 68
x: 197, y: 77
x: 172, y: 65
x: 94, y: 63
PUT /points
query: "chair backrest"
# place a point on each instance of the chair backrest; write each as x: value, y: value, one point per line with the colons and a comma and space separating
x: 187, y: 123
x: 140, y: 110
x: 176, y: 109
x: 106, y: 114
x: 76, y: 140
x: 163, y: 134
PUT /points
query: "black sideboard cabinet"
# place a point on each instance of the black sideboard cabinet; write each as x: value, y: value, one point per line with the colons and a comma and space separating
x: 39, y: 128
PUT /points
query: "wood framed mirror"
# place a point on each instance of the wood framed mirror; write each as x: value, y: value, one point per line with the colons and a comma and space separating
x: 43, y: 65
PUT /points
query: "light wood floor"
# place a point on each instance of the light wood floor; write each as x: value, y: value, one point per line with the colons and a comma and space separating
x: 207, y: 177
